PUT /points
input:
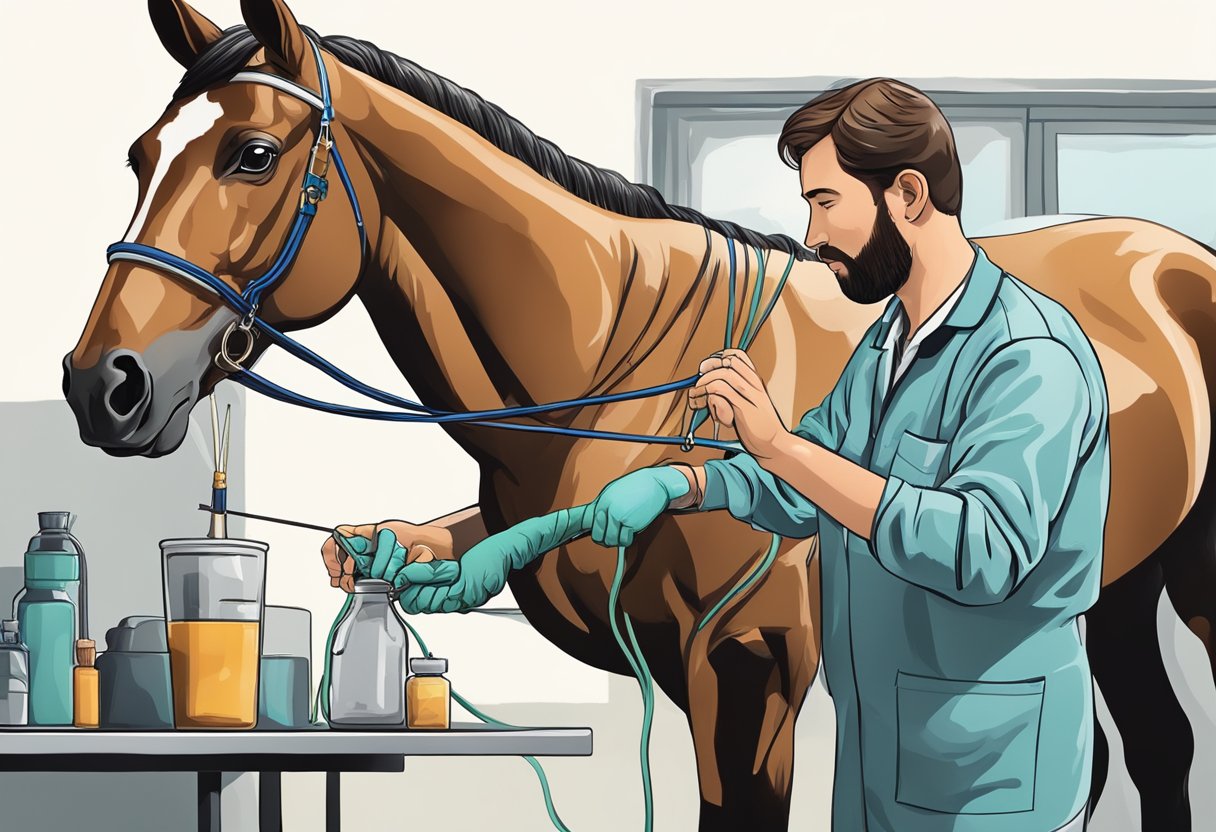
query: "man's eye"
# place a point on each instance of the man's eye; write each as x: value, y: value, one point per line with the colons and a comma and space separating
x: 254, y: 158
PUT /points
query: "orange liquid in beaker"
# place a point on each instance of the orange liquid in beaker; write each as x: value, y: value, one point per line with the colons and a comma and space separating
x: 214, y: 666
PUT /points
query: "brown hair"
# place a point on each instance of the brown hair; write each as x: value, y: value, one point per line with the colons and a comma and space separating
x: 880, y: 127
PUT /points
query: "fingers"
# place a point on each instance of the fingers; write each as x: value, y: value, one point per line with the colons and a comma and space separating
x: 332, y: 560
x: 599, y: 524
x: 612, y: 534
x: 728, y: 378
x: 727, y: 398
x: 386, y: 541
x: 727, y: 358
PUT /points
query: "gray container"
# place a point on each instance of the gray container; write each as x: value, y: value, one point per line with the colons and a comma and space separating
x: 367, y: 670
x: 134, y: 683
x: 14, y: 677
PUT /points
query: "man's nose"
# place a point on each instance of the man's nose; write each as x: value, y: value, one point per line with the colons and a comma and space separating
x: 815, y: 237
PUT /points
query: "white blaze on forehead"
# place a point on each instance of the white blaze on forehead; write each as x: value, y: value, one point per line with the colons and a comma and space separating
x: 193, y: 120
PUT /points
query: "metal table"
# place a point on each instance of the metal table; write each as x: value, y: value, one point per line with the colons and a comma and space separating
x: 210, y: 753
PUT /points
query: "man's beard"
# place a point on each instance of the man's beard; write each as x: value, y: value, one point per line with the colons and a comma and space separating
x: 881, y: 267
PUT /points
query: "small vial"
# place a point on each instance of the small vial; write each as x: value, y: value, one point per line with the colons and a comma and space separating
x: 428, y: 694
x: 85, y: 685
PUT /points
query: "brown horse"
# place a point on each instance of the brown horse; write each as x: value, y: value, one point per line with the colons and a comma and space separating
x: 502, y: 272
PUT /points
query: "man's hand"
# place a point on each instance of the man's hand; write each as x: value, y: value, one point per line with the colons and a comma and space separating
x: 736, y: 397
x: 418, y: 544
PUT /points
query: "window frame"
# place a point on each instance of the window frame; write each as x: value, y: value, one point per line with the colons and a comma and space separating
x: 669, y: 113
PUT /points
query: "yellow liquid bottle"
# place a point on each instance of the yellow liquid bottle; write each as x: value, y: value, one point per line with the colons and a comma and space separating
x: 428, y: 695
x: 85, y: 688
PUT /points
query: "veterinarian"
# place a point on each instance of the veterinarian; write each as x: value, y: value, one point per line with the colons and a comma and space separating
x: 957, y: 476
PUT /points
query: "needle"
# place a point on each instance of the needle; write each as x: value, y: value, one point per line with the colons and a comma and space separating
x: 205, y: 507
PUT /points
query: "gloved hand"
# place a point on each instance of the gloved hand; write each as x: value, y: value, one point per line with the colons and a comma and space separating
x: 629, y: 504
x: 483, y: 569
x: 481, y: 574
x: 375, y: 550
x: 388, y: 561
x: 382, y: 560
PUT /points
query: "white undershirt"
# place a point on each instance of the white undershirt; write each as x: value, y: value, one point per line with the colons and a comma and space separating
x: 896, y: 333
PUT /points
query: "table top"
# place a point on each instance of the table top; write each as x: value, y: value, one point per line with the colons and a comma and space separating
x: 460, y: 739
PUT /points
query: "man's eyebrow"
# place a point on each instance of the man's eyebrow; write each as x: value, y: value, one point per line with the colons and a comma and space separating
x: 817, y: 191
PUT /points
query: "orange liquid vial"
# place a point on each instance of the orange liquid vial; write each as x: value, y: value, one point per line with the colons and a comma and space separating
x: 214, y: 666
x: 428, y: 695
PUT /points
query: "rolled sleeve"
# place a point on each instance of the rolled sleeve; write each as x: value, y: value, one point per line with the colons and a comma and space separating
x: 977, y: 536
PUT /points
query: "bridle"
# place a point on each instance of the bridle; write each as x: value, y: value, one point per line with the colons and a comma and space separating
x: 313, y: 190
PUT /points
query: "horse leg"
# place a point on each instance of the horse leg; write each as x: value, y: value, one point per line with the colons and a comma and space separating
x: 1100, y: 768
x: 1125, y: 656
x: 746, y: 683
x: 743, y: 732
x: 1190, y: 579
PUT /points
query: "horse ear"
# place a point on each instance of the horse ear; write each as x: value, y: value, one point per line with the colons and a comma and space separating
x: 275, y: 27
x: 185, y: 33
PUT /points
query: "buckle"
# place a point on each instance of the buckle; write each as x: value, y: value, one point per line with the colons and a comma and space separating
x: 224, y: 358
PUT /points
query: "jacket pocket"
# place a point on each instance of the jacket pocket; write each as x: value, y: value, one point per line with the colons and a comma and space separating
x: 967, y: 747
x: 918, y: 460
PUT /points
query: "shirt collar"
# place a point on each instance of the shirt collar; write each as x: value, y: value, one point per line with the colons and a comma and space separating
x: 963, y: 310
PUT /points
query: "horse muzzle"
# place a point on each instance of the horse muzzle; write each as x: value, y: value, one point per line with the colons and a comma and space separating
x: 133, y: 403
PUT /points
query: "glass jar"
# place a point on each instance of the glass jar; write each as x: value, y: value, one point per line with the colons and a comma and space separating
x: 368, y: 660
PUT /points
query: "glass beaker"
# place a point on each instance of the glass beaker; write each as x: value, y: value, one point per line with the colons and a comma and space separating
x: 285, y: 682
x: 367, y: 666
x: 214, y: 590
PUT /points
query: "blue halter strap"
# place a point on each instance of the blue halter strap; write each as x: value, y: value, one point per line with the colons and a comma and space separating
x: 313, y: 190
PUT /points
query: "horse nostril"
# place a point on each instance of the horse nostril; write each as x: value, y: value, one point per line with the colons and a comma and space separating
x: 67, y: 375
x: 130, y: 392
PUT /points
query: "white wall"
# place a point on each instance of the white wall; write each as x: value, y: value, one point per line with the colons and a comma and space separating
x: 82, y: 79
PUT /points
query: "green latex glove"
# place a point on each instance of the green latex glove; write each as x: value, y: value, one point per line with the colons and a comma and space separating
x: 629, y: 504
x: 483, y: 569
x: 383, y: 562
x: 387, y: 562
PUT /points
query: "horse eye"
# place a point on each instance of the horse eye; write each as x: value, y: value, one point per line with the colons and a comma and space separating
x: 254, y: 158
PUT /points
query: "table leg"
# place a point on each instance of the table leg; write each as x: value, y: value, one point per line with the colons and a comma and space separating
x: 333, y: 801
x: 270, y: 802
x: 209, y: 801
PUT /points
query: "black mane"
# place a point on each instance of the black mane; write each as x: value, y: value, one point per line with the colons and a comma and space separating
x: 604, y: 188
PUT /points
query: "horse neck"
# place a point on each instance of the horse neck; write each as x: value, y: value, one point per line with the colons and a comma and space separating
x: 518, y: 291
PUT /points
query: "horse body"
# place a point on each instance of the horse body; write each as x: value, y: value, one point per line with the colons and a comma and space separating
x: 492, y: 285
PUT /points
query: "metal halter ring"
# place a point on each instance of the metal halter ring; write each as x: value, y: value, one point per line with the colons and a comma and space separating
x: 689, y: 442
x: 223, y: 358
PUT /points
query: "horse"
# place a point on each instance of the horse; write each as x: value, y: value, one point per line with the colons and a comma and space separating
x: 500, y: 272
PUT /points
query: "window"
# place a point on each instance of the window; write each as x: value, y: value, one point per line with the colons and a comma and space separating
x: 1127, y: 148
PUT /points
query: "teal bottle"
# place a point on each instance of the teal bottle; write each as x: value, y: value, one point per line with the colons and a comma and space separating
x: 48, y: 609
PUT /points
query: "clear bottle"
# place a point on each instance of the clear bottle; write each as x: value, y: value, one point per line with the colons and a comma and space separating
x: 14, y: 676
x: 428, y: 694
x: 368, y: 660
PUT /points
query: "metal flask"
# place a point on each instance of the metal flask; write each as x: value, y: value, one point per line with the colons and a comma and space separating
x: 368, y: 662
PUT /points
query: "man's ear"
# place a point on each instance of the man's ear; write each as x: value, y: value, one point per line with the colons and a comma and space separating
x: 275, y: 27
x: 913, y: 191
x: 185, y: 33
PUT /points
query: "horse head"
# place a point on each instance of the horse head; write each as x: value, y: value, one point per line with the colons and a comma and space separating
x: 220, y: 178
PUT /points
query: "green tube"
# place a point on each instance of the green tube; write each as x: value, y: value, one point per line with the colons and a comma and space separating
x: 520, y: 545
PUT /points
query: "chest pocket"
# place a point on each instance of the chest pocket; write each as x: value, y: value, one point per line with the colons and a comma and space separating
x: 918, y: 461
